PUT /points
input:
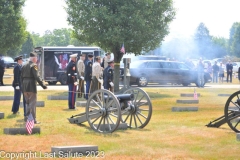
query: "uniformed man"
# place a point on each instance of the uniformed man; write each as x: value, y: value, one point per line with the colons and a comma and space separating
x: 72, y: 81
x: 88, y: 74
x: 29, y: 77
x: 81, y: 69
x: 2, y: 70
x: 106, y: 59
x: 17, y: 86
x: 96, y: 75
x: 108, y: 76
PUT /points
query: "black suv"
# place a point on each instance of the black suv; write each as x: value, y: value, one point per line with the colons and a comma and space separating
x: 162, y: 72
x: 8, y: 61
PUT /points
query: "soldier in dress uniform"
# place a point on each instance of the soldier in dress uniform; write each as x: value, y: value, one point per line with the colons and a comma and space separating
x: 72, y: 81
x: 2, y: 70
x: 17, y: 86
x: 108, y: 76
x: 106, y: 59
x: 96, y: 75
x: 88, y: 74
x: 29, y: 77
x: 81, y: 69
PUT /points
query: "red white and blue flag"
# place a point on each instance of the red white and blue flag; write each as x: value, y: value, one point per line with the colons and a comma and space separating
x: 122, y: 49
x: 30, y: 124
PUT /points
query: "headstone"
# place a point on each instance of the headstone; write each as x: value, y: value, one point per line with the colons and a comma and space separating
x: 15, y: 131
x: 50, y: 97
x: 182, y: 109
x: 189, y: 94
x: 4, y: 98
x: 188, y: 101
x: 238, y: 136
x: 39, y: 104
x: 84, y: 103
x: 225, y: 95
x: 77, y: 150
x: 1, y: 115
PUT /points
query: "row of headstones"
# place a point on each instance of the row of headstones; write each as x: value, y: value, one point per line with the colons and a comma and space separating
x: 190, y: 101
x: 42, y: 103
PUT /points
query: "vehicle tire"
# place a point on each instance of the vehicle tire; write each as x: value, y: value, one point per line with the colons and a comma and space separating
x: 185, y: 84
x: 142, y: 81
x: 52, y: 82
x: 63, y: 79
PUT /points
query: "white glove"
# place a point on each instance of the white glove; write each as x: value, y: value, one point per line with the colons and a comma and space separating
x: 17, y: 87
x: 75, y: 83
x: 100, y: 81
x: 111, y: 83
x: 82, y: 78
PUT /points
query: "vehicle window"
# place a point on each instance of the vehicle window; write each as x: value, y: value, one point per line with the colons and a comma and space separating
x: 153, y: 65
x: 182, y: 66
x: 166, y: 65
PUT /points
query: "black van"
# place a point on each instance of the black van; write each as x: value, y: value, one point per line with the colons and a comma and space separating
x: 163, y: 72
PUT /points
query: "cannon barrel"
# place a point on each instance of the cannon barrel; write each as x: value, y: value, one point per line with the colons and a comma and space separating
x: 122, y: 97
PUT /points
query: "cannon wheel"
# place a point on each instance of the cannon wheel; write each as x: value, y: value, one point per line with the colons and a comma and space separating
x: 232, y: 111
x: 140, y: 113
x: 103, y: 114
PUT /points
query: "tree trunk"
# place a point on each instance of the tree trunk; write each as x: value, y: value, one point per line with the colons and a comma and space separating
x: 117, y: 58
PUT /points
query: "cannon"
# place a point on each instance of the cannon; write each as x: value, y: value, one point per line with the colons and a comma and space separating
x: 105, y: 111
x: 231, y: 114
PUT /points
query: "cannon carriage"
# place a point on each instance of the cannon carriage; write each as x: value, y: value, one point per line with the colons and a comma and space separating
x: 105, y: 111
x: 231, y: 114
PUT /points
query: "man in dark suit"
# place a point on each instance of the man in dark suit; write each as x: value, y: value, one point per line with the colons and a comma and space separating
x: 17, y: 86
x: 229, y: 68
x: 29, y: 77
x: 108, y: 76
x: 88, y: 74
x: 72, y: 81
x: 2, y: 70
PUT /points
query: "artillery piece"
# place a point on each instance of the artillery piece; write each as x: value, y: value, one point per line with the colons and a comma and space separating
x: 231, y: 114
x: 105, y: 111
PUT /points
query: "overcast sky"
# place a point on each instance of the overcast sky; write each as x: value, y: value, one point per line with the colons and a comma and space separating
x: 217, y: 15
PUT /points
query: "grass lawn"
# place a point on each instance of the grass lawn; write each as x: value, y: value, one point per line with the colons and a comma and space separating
x: 169, y: 135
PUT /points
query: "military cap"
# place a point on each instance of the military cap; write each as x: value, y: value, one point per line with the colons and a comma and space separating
x: 33, y: 54
x: 74, y: 55
x: 90, y: 55
x: 18, y: 58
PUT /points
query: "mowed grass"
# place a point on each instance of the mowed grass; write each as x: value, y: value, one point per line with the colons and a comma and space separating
x: 169, y: 135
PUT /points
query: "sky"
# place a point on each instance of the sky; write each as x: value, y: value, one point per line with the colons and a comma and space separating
x: 217, y: 15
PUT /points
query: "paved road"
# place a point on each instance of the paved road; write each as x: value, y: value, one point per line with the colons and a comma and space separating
x: 65, y: 87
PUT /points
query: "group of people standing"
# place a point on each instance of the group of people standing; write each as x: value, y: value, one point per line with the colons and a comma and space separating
x: 217, y: 72
x: 95, y: 74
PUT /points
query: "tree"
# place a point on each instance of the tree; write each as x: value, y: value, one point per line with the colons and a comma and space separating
x: 203, y: 40
x: 12, y: 24
x: 234, y: 40
x: 141, y: 25
x: 220, y: 46
x: 28, y: 46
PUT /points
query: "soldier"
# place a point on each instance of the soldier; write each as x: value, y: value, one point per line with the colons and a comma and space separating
x: 106, y: 59
x: 29, y: 77
x: 2, y: 70
x: 88, y: 74
x: 96, y: 75
x: 17, y: 86
x: 81, y: 69
x: 72, y: 81
x: 108, y: 76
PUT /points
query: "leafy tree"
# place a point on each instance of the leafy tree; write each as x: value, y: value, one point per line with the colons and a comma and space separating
x: 220, y: 46
x: 28, y: 46
x: 141, y: 25
x: 203, y: 40
x: 234, y: 40
x: 12, y: 24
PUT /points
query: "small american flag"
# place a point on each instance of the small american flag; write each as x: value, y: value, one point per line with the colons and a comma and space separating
x: 30, y: 124
x: 195, y: 94
x: 122, y: 49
